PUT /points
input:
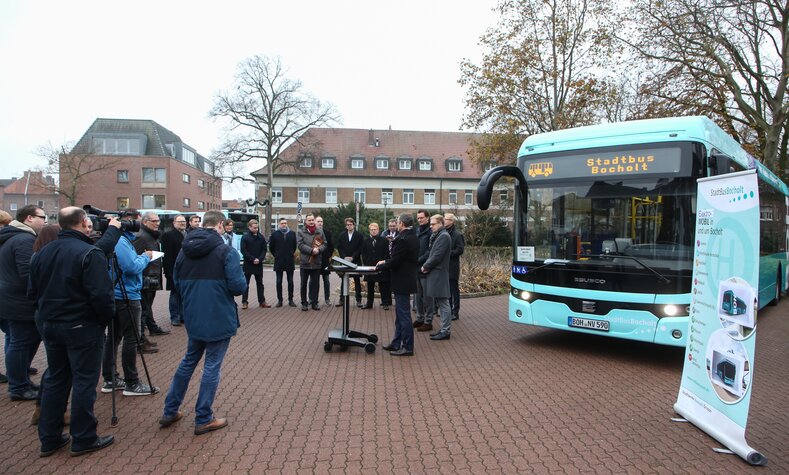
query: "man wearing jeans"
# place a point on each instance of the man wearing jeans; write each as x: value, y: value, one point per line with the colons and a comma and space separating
x: 207, y: 275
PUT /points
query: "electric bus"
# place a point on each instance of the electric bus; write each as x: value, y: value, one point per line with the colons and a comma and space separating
x: 604, y: 225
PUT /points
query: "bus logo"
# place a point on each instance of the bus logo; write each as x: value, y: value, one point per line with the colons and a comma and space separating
x: 541, y: 169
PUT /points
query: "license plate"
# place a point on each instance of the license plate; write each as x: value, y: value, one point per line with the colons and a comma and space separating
x: 588, y: 323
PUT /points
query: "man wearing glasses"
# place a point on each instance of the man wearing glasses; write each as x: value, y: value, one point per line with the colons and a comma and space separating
x: 16, y: 248
x: 148, y: 240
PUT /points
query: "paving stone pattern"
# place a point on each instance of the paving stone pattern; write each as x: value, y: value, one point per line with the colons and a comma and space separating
x: 496, y: 398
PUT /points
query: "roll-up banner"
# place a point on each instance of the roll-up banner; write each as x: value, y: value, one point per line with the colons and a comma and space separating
x: 717, y: 378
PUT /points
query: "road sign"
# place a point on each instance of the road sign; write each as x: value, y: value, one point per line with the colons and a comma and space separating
x: 298, y: 217
x: 298, y: 207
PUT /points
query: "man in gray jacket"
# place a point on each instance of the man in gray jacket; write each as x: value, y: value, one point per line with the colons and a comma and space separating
x: 436, y: 268
x: 311, y: 243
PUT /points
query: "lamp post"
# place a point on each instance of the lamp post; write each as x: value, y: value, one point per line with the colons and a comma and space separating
x: 385, y: 202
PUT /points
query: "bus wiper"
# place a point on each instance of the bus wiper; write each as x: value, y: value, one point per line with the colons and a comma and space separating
x: 618, y: 256
x: 548, y: 263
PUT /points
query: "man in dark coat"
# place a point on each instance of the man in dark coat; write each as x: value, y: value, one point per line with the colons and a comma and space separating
x: 16, y: 247
x: 282, y: 245
x: 326, y: 260
x: 311, y: 243
x: 374, y: 250
x: 75, y: 300
x: 171, y: 246
x: 349, y: 247
x: 148, y: 240
x: 436, y: 268
x: 403, y: 267
x: 207, y: 274
x: 424, y: 304
x: 254, y: 248
x: 458, y: 246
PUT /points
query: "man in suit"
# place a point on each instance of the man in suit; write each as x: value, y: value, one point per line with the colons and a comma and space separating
x: 282, y: 245
x: 349, y: 247
x: 403, y: 268
x: 254, y: 248
x: 326, y: 260
x: 171, y: 245
x: 436, y: 268
x: 374, y: 250
x: 458, y: 246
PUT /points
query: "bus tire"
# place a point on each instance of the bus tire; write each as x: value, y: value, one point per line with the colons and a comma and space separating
x: 778, y: 287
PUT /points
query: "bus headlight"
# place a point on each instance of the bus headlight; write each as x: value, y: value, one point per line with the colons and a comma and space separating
x: 671, y: 310
x: 521, y: 294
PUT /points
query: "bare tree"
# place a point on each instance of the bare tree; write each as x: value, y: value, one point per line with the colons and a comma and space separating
x: 264, y: 112
x: 724, y: 58
x: 541, y: 71
x: 72, y: 169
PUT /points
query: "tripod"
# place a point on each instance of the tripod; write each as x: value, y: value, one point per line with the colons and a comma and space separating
x: 116, y: 269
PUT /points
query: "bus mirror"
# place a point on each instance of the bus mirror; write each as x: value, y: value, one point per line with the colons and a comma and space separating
x: 485, y: 187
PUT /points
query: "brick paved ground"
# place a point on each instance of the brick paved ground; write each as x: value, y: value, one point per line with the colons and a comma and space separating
x: 498, y: 397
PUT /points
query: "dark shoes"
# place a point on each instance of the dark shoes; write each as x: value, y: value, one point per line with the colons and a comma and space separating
x: 425, y: 327
x: 339, y: 304
x: 402, y: 352
x: 244, y: 305
x: 417, y: 324
x: 100, y: 443
x: 176, y: 324
x: 359, y: 303
x: 167, y: 421
x: 148, y: 348
x: 440, y: 336
x: 455, y: 317
x: 304, y: 308
x: 215, y: 424
x: 366, y: 307
x: 64, y: 441
x: 265, y: 305
x: 26, y: 395
x: 315, y: 306
x: 3, y: 378
x: 390, y: 347
x: 31, y: 371
x: 385, y: 307
x: 159, y: 331
x: 291, y: 303
x: 279, y: 304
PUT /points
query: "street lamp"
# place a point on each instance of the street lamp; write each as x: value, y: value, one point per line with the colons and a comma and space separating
x: 385, y: 202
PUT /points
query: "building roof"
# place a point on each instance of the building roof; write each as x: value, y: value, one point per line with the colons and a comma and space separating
x: 33, y: 186
x: 344, y: 144
x: 158, y: 136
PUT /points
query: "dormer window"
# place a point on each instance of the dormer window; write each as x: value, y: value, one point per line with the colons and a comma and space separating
x: 381, y: 163
x: 328, y: 162
x: 404, y: 163
x: 454, y: 165
x: 305, y: 162
x: 357, y: 163
x: 425, y: 165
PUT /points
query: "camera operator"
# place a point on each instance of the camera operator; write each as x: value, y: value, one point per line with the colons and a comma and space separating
x: 126, y: 321
x: 74, y: 299
x: 148, y: 240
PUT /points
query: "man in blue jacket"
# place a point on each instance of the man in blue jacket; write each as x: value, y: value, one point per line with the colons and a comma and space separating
x: 207, y: 275
x: 126, y: 321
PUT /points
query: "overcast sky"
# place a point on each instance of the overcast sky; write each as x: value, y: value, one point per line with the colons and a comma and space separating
x: 382, y: 64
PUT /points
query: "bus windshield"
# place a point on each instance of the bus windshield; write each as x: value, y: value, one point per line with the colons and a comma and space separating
x: 626, y: 222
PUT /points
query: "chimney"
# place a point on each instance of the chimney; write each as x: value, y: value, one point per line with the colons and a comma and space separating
x: 370, y: 138
x: 377, y: 142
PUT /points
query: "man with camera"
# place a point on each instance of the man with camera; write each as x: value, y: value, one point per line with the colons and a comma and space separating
x: 74, y: 300
x: 207, y: 275
x: 128, y: 309
x: 148, y: 240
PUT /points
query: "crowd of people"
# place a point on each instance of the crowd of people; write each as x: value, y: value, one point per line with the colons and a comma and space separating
x: 84, y: 295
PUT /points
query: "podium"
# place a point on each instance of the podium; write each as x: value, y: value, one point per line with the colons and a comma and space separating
x: 345, y: 337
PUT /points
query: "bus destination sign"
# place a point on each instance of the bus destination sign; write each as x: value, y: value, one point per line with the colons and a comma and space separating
x: 619, y: 163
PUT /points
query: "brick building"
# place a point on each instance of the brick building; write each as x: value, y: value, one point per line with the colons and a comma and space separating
x: 402, y: 170
x: 32, y: 188
x: 129, y: 163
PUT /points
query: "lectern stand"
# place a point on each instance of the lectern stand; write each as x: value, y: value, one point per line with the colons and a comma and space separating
x: 344, y: 336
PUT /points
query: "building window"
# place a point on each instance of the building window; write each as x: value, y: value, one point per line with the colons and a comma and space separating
x: 123, y: 202
x: 40, y: 204
x: 468, y: 198
x: 382, y: 163
x: 357, y: 163
x: 153, y: 201
x: 276, y: 195
x: 328, y: 162
x: 185, y: 177
x: 425, y: 165
x: 404, y: 164
x: 503, y: 196
x: 187, y: 202
x: 331, y: 195
x: 154, y: 175
x: 489, y: 166
x: 200, y: 183
x: 387, y: 197
x: 359, y: 195
x: 430, y: 197
x: 453, y: 197
x: 208, y: 167
x: 408, y: 196
x: 200, y: 205
x: 454, y: 165
x: 305, y: 162
x: 304, y: 194
x: 188, y: 156
x: 766, y: 213
x: 123, y: 176
x: 108, y: 146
